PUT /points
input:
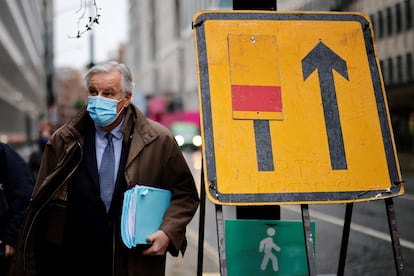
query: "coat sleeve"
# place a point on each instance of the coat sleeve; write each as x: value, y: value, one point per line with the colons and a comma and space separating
x: 17, y: 181
x: 184, y: 198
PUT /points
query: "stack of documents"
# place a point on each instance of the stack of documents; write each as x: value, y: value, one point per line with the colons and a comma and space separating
x: 142, y: 213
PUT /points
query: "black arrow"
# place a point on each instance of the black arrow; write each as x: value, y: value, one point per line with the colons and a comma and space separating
x: 325, y: 60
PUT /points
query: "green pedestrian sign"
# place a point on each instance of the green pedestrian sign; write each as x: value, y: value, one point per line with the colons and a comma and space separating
x: 266, y: 247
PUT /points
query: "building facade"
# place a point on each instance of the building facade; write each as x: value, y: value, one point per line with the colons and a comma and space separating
x: 22, y: 74
x: 394, y: 37
x: 161, y: 52
x: 71, y: 94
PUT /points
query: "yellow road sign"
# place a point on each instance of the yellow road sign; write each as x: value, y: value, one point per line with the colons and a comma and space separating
x: 293, y: 109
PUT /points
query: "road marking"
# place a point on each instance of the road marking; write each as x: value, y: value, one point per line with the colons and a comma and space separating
x: 407, y: 196
x: 354, y: 226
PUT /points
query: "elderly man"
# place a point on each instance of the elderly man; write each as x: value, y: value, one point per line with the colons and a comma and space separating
x: 72, y: 226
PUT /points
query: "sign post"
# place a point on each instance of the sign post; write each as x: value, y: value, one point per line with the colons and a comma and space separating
x: 261, y: 127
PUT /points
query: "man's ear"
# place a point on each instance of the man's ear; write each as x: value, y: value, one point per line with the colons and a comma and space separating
x: 128, y: 98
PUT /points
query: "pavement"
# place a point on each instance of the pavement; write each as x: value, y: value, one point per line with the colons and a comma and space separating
x: 187, y: 265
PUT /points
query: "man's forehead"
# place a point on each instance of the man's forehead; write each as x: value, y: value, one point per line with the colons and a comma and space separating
x: 105, y: 78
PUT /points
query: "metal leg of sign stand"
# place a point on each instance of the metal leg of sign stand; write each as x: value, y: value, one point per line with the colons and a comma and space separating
x: 221, y: 241
x: 308, y: 240
x: 396, y: 247
x: 345, y: 239
x: 201, y: 226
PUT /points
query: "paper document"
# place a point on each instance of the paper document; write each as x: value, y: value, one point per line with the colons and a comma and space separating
x: 142, y: 213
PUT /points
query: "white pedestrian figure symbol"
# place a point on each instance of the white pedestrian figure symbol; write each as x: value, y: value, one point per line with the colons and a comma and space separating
x: 267, y: 245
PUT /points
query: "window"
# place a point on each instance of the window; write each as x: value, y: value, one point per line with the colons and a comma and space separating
x: 372, y: 18
x: 399, y: 69
x: 409, y: 66
x: 389, y: 21
x: 226, y: 4
x: 390, y: 71
x: 382, y: 68
x: 398, y: 17
x: 408, y: 15
x: 380, y: 24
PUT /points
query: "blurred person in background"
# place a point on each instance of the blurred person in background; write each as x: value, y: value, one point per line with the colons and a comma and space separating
x: 16, y: 185
x: 72, y: 226
x: 36, y: 155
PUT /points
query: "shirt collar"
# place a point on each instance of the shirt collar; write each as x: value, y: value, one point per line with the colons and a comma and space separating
x: 116, y: 132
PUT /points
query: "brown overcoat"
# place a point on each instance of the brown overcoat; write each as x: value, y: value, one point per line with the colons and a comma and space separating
x: 153, y: 159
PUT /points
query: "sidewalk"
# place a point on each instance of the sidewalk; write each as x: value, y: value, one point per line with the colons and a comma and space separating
x: 187, y: 265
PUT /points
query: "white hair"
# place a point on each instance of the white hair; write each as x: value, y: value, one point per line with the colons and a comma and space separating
x: 127, y: 84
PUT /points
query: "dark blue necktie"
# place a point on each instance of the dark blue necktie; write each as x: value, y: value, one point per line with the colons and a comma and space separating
x: 106, y: 172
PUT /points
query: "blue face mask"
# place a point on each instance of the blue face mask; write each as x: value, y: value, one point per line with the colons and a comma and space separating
x: 102, y: 110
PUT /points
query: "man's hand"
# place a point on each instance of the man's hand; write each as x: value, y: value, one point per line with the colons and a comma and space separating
x: 160, y: 242
x: 8, y: 250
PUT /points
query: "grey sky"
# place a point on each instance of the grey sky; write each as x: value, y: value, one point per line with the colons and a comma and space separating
x: 111, y: 31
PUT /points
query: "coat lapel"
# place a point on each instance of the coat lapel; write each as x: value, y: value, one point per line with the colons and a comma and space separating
x: 90, y: 158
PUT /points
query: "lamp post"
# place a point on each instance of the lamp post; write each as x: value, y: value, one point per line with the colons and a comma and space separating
x: 91, y: 41
x: 48, y: 53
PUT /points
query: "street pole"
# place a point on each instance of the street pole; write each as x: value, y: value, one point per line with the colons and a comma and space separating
x: 91, y: 41
x: 257, y: 212
x: 48, y: 55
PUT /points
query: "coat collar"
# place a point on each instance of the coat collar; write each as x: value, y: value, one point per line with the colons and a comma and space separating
x: 136, y: 121
x: 136, y: 127
x: 138, y: 132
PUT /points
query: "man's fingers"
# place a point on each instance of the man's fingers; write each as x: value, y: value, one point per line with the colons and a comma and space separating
x: 159, y: 245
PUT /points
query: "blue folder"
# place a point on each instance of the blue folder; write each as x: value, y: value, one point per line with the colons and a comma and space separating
x: 142, y: 213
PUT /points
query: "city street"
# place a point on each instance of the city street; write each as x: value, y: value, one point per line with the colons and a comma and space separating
x: 369, y: 247
x: 294, y: 100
